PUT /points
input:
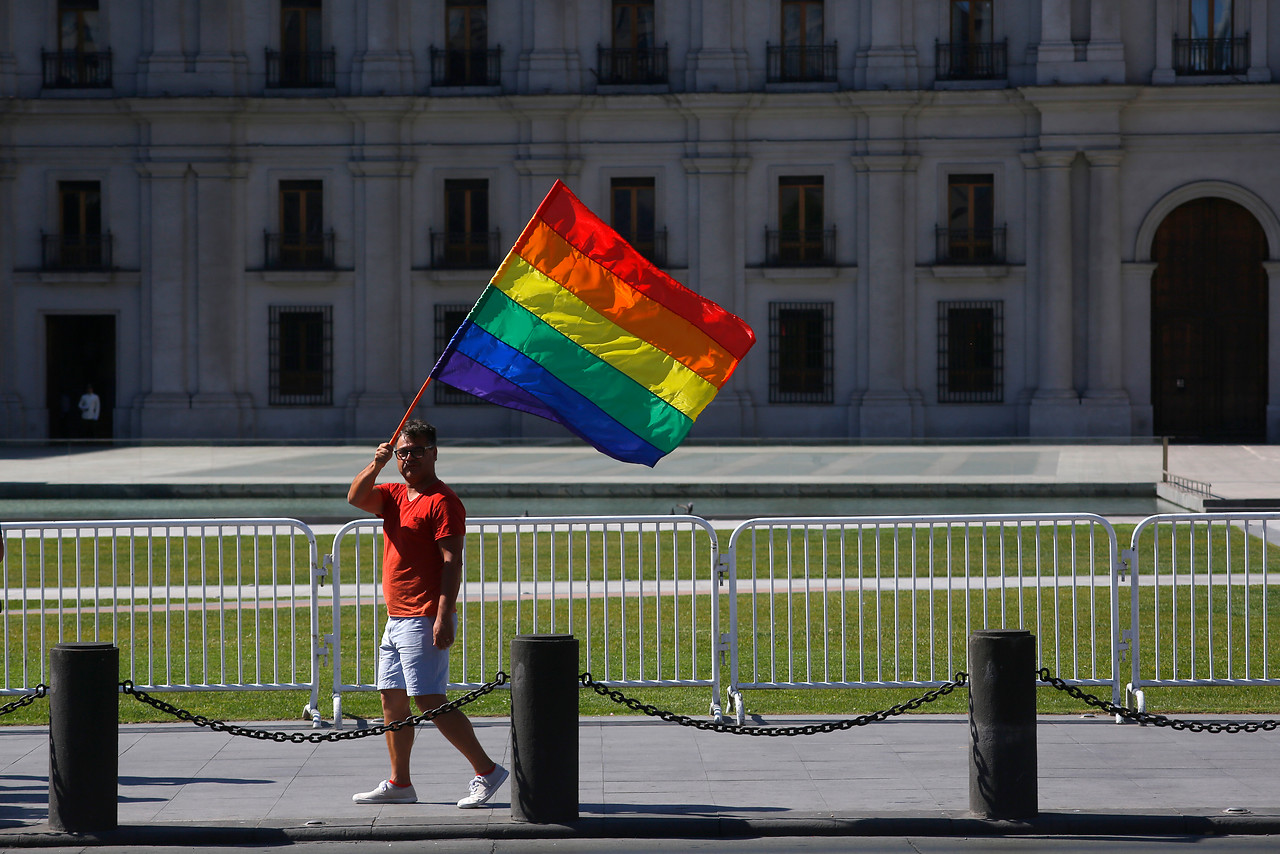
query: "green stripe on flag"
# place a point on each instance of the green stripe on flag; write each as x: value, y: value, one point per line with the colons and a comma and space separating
x: 619, y: 396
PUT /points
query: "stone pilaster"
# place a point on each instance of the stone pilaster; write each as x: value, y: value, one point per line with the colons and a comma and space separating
x: 220, y: 301
x: 888, y: 407
x: 1055, y: 408
x: 166, y: 318
x: 1106, y: 401
x: 384, y: 318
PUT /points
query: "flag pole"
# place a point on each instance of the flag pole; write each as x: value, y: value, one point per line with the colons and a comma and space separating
x: 396, y: 435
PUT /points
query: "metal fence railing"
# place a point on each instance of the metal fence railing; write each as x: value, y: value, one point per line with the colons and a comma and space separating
x: 192, y: 604
x: 1205, y: 585
x: 639, y: 592
x: 791, y: 603
x: 890, y: 601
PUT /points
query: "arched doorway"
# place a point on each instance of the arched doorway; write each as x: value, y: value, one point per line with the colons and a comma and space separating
x: 1209, y: 324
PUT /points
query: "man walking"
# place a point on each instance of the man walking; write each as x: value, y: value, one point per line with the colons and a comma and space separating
x: 424, y: 529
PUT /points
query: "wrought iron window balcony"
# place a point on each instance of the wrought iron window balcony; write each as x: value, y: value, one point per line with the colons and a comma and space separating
x: 465, y: 250
x: 299, y: 251
x: 650, y: 244
x: 301, y: 69
x: 1211, y: 56
x: 971, y: 245
x: 451, y: 67
x: 85, y: 252
x: 632, y: 66
x: 801, y: 63
x: 789, y: 247
x: 74, y: 69
x: 972, y: 60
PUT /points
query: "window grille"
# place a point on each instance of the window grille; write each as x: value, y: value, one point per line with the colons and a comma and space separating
x: 301, y: 355
x: 449, y: 317
x: 971, y: 351
x: 801, y: 352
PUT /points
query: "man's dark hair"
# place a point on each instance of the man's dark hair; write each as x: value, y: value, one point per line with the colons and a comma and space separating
x: 419, y: 430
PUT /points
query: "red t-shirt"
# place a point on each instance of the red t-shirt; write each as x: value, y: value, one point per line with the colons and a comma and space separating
x: 411, y: 562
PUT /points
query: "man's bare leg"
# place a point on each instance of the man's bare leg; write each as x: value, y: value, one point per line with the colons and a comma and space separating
x: 456, y: 727
x: 395, y: 707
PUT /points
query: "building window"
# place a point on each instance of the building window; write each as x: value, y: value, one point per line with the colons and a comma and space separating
x: 802, y: 56
x: 801, y: 238
x: 1212, y: 47
x: 970, y: 236
x: 301, y: 355
x: 972, y: 53
x: 80, y: 243
x: 632, y: 215
x: 466, y: 59
x: 302, y: 243
x: 467, y: 243
x: 633, y: 57
x: 302, y: 61
x: 77, y: 63
x: 971, y: 352
x: 449, y: 317
x: 800, y: 352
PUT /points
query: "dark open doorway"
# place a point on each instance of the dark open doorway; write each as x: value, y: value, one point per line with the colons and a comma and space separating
x: 1209, y: 324
x: 80, y: 351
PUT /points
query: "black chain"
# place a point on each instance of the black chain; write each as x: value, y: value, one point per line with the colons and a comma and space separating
x: 1148, y: 718
x: 500, y: 678
x: 24, y: 700
x: 961, y: 679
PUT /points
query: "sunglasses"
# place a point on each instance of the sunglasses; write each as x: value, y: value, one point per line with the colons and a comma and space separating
x: 413, y: 452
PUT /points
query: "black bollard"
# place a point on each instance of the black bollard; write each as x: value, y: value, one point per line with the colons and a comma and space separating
x: 544, y: 728
x: 84, y: 717
x: 1002, y: 724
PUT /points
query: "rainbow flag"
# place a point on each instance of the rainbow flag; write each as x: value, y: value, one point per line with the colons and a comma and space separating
x: 580, y: 328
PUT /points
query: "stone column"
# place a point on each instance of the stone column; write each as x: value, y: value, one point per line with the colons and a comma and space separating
x: 1106, y: 47
x: 166, y: 349
x: 1162, y: 74
x: 382, y: 65
x: 1106, y: 401
x: 547, y: 62
x: 1272, y: 270
x: 718, y: 59
x: 1259, y: 71
x: 383, y: 319
x: 219, y: 287
x: 167, y: 24
x: 221, y: 64
x: 1056, y: 55
x: 1055, y: 406
x: 887, y: 406
x: 10, y: 358
x: 716, y: 253
x: 891, y: 58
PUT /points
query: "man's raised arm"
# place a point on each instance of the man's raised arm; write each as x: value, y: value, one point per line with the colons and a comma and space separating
x: 361, y: 493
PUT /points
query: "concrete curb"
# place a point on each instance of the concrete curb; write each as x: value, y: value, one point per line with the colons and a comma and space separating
x: 691, y: 827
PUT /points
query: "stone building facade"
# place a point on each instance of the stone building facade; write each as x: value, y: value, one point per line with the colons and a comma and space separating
x: 944, y: 218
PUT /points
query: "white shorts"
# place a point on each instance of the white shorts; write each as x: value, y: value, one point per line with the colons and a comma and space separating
x: 409, y: 659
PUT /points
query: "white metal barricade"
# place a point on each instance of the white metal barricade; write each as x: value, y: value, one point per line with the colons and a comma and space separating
x: 897, y: 598
x: 1206, y: 585
x: 639, y: 593
x: 192, y: 604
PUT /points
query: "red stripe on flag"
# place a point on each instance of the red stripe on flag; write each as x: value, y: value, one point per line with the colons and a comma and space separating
x: 574, y: 221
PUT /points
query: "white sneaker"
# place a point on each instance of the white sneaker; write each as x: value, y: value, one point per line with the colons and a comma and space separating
x: 482, y: 788
x: 387, y: 793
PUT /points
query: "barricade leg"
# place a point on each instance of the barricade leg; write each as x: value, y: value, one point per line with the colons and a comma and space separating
x: 544, y: 728
x: 84, y: 724
x: 1002, y: 724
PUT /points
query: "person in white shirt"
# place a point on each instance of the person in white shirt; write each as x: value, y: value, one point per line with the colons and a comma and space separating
x: 90, y: 408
